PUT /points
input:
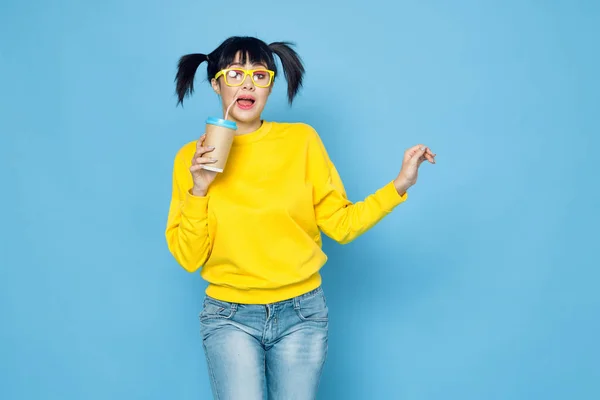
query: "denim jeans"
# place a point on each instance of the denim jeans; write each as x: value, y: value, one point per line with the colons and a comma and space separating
x: 275, y: 351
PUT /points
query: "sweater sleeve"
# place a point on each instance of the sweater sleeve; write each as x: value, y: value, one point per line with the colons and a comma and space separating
x: 187, y: 232
x: 338, y: 217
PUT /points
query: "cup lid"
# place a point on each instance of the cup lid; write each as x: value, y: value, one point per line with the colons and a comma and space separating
x: 221, y: 122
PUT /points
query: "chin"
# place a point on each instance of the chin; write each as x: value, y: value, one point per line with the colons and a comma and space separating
x: 246, y: 116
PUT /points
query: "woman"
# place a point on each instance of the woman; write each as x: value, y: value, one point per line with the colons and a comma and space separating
x: 254, y: 231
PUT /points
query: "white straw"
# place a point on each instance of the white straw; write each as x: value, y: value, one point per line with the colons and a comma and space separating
x: 232, y: 103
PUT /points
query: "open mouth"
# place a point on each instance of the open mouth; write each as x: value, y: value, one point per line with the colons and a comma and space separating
x: 245, y: 102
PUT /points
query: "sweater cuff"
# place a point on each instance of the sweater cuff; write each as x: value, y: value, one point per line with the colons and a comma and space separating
x: 195, y: 207
x: 389, y: 197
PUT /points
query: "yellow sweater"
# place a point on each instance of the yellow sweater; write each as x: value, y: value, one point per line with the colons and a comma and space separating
x: 256, y: 236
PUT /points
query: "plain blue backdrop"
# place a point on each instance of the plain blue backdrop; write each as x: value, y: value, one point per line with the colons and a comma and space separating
x: 484, y: 285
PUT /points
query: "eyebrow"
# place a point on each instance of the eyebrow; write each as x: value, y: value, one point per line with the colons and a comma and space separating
x: 242, y: 65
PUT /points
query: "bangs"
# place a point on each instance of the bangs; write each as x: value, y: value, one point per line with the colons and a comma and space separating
x: 249, y: 49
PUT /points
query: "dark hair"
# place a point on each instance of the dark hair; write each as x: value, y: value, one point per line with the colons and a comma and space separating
x: 250, y: 48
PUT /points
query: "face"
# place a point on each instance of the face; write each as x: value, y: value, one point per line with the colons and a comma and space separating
x: 251, y: 98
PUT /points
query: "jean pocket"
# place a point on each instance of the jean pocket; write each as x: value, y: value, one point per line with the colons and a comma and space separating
x: 313, y: 308
x: 216, y: 310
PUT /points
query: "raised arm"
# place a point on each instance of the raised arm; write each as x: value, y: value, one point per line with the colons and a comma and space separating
x: 338, y: 217
x: 187, y: 231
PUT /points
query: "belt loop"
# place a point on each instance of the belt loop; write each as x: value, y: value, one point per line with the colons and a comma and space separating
x: 234, y: 306
x: 297, y: 303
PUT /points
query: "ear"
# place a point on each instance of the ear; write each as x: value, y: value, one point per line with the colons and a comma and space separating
x: 216, y: 86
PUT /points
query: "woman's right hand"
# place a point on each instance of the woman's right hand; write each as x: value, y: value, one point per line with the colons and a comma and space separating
x: 202, y: 177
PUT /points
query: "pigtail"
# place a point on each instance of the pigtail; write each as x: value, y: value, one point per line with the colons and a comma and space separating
x: 186, y: 70
x: 292, y: 67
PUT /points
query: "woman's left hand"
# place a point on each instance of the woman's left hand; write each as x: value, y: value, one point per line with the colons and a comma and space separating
x: 413, y: 158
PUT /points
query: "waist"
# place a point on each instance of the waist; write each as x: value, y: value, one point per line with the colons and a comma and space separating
x: 270, y: 295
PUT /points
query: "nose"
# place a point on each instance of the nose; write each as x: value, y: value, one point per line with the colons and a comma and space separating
x: 248, y: 83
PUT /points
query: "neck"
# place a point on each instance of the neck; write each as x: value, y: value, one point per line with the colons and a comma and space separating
x: 247, y: 127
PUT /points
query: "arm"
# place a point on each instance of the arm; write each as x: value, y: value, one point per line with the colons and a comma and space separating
x: 338, y: 217
x: 187, y: 233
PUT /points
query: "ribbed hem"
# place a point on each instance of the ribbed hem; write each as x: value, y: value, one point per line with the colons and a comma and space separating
x: 263, y: 296
x: 389, y: 197
x: 194, y: 206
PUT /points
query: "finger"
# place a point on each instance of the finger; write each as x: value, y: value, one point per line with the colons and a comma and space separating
x: 411, y: 151
x: 425, y: 154
x: 429, y: 158
x: 200, y: 141
x: 203, y: 150
x: 198, y: 166
x: 195, y: 168
x: 418, y: 155
x: 204, y: 160
x: 430, y: 155
x: 415, y: 148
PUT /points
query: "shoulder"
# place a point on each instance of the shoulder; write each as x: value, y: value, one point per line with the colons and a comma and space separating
x: 295, y: 130
x: 185, y: 153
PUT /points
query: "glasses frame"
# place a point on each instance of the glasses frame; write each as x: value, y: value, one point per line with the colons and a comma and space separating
x: 247, y: 72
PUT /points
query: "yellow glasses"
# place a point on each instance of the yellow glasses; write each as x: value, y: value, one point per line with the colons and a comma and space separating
x: 236, y: 76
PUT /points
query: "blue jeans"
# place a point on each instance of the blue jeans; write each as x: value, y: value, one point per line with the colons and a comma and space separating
x: 275, y: 350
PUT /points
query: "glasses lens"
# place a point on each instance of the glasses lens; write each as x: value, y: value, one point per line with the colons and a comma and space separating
x: 234, y: 77
x: 261, y: 78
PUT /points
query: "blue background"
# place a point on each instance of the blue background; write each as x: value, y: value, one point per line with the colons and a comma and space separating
x: 484, y: 285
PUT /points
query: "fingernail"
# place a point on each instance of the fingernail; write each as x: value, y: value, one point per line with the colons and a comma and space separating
x: 422, y: 147
x: 211, y: 147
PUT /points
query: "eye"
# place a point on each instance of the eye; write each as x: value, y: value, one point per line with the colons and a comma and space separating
x: 235, y: 74
x: 260, y: 75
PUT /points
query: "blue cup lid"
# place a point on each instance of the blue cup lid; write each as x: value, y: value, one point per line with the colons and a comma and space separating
x: 222, y: 122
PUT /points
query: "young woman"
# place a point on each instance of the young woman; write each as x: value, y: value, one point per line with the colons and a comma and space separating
x: 254, y: 231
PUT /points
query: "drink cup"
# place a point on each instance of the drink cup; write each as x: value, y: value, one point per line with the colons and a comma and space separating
x: 219, y: 134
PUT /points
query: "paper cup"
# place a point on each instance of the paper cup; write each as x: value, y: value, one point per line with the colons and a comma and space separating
x: 220, y: 134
